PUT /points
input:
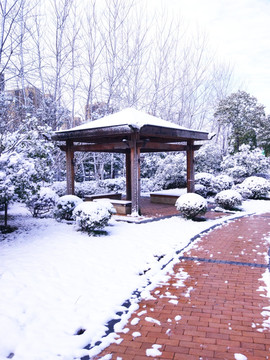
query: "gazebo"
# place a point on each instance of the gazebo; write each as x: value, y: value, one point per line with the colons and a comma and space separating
x: 131, y: 132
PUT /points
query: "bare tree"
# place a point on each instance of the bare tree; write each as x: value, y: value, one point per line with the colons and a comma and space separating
x: 60, y: 51
x: 93, y: 48
x: 9, y: 36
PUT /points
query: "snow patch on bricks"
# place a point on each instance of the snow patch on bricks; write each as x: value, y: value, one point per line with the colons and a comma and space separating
x: 142, y: 312
x: 181, y: 276
x: 136, y: 334
x: 154, y: 351
x: 174, y: 302
x: 151, y: 320
x: 135, y: 321
x: 266, y: 293
x: 124, y: 331
x: 187, y: 294
x: 240, y: 357
x: 106, y: 357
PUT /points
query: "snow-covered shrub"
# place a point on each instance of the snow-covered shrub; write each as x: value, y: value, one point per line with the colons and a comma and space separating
x: 191, y: 205
x: 245, y: 163
x: 206, y: 182
x: 21, y: 172
x: 147, y: 185
x: 228, y: 199
x: 91, y: 187
x: 210, y: 184
x: 204, y: 179
x: 201, y: 190
x: 208, y: 158
x: 42, y: 202
x: 243, y: 191
x: 112, y: 185
x: 65, y: 206
x: 60, y: 187
x: 93, y: 215
x: 238, y: 173
x: 254, y: 187
x: 6, y: 193
x: 6, y: 188
x: 99, y: 187
x: 149, y: 165
x: 222, y: 182
x: 171, y: 172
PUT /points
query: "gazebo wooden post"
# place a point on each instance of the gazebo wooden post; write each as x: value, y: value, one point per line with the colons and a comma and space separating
x: 190, y: 167
x: 135, y: 174
x: 70, y: 167
x: 128, y: 175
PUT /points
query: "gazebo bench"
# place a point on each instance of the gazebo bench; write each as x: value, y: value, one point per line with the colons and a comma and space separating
x: 166, y: 196
x: 163, y: 199
x: 122, y: 207
x: 115, y: 196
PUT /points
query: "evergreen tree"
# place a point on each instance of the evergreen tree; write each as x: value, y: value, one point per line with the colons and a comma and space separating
x: 263, y: 135
x: 27, y: 159
x: 241, y: 113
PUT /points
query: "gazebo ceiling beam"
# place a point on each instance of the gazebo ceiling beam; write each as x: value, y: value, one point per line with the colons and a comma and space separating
x: 110, y: 147
x: 121, y: 147
x: 118, y: 139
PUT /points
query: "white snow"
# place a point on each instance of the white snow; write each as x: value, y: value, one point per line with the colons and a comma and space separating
x: 135, y: 321
x: 152, y: 320
x: 171, y: 192
x: 154, y: 351
x: 57, y: 282
x: 129, y: 117
x: 174, y: 302
x: 136, y: 334
x: 240, y: 356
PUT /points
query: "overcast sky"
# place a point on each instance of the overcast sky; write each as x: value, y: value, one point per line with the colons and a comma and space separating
x: 240, y: 32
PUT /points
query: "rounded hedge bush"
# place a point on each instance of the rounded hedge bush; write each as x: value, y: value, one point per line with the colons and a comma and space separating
x: 228, y: 199
x: 190, y: 205
x: 222, y: 182
x: 93, y: 215
x: 65, y: 206
x: 258, y: 186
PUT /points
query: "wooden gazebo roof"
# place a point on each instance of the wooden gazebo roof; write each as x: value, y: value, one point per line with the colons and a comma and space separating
x: 131, y: 132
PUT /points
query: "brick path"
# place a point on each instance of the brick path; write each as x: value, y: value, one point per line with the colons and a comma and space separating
x: 215, y: 312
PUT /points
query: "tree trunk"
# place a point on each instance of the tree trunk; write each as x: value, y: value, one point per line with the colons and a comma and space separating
x: 6, y: 213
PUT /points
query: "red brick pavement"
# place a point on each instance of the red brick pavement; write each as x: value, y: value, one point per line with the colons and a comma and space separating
x: 208, y: 309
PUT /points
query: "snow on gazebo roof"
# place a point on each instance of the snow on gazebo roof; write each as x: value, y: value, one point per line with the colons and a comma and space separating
x: 126, y: 122
x: 129, y: 116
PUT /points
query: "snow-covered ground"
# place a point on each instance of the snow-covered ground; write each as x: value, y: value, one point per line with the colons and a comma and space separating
x: 56, y: 281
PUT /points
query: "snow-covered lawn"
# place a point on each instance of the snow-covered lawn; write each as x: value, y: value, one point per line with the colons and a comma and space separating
x: 56, y: 281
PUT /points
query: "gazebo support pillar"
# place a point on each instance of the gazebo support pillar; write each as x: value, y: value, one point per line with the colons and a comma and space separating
x: 190, y: 167
x: 135, y: 174
x: 128, y: 175
x: 70, y: 168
